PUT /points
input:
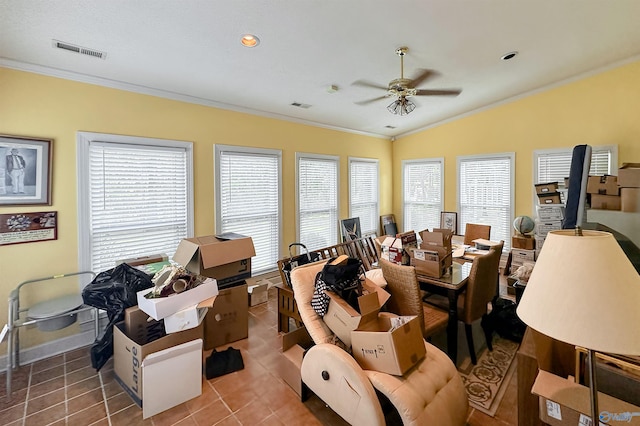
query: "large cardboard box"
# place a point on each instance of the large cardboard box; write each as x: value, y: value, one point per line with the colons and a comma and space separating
x: 294, y: 345
x: 161, y: 307
x: 546, y: 188
x: 226, y: 257
x: 564, y: 402
x: 429, y: 262
x: 139, y: 327
x: 381, y: 346
x: 603, y: 185
x: 342, y: 318
x: 129, y: 355
x: 228, y: 320
x: 605, y: 202
x: 629, y: 175
x: 523, y: 242
x: 630, y: 199
x: 549, y: 198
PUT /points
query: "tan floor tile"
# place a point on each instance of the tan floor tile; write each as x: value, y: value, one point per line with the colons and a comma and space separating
x: 46, y: 375
x: 208, y: 396
x: 83, y: 386
x: 77, y: 353
x: 211, y: 414
x: 171, y: 416
x: 79, y: 375
x: 229, y: 421
x: 240, y: 398
x: 11, y: 414
x: 253, y: 413
x: 187, y: 421
x: 85, y: 400
x: 77, y: 364
x: 131, y: 416
x: 103, y: 422
x: 17, y: 397
x: 296, y: 413
x: 119, y: 402
x: 46, y: 387
x: 44, y: 417
x: 45, y: 401
x: 272, y: 420
x: 112, y: 388
x: 89, y: 415
x: 48, y: 363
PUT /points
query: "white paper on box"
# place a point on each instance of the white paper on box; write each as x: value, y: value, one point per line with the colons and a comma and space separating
x: 185, y: 319
x: 553, y: 410
x: 162, y: 307
x: 171, y: 376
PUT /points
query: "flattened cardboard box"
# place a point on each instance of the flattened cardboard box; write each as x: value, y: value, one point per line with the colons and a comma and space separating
x: 228, y: 320
x: 128, y: 356
x: 377, y: 347
x: 342, y: 318
x: 563, y: 402
x: 226, y: 260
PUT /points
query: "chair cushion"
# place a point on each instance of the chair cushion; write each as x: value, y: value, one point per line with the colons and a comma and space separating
x: 375, y: 275
x: 431, y: 393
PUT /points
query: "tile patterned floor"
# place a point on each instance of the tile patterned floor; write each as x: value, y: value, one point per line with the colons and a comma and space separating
x: 65, y: 390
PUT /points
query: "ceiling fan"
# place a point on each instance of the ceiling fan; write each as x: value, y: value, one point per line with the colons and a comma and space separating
x: 403, y: 88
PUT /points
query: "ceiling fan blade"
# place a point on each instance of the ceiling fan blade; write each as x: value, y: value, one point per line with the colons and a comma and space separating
x: 365, y: 83
x: 368, y: 101
x: 447, y: 92
x: 422, y: 76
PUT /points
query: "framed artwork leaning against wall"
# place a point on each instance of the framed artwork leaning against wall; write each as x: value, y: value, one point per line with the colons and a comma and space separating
x: 25, y: 171
x: 449, y: 220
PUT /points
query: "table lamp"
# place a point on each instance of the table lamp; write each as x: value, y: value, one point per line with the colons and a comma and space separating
x: 584, y: 291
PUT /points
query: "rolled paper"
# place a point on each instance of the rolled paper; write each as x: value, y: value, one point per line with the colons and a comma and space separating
x: 179, y: 285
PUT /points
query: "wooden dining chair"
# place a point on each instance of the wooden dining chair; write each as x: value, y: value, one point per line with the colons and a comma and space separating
x: 482, y: 288
x: 473, y: 231
x: 406, y: 298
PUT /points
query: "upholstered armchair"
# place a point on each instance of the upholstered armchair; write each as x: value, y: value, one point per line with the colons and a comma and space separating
x: 431, y: 392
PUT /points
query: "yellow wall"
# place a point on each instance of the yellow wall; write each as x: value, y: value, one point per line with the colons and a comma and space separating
x: 600, y: 110
x: 47, y: 107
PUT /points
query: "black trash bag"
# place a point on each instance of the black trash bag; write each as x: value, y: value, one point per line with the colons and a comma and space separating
x: 223, y: 362
x: 113, y: 291
x: 504, y: 320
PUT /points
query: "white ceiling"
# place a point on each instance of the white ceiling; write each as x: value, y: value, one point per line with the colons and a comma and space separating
x: 190, y: 50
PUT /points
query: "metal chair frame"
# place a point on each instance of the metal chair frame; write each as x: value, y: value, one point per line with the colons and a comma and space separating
x: 16, y: 321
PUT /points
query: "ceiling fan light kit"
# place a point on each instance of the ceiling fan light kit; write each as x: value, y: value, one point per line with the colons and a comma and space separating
x: 403, y: 88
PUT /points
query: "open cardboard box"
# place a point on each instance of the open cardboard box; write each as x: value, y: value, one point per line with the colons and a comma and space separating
x: 378, y: 345
x: 161, y: 307
x: 294, y: 345
x: 225, y: 257
x: 564, y: 402
x: 258, y: 291
x: 131, y: 367
x: 342, y: 318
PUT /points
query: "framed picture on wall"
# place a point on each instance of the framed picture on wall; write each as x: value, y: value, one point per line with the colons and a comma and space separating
x: 449, y: 220
x: 25, y: 171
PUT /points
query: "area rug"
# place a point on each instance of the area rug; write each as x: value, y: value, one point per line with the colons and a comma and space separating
x: 486, y: 382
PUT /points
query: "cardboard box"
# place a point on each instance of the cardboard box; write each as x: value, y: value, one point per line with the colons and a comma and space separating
x: 603, y: 185
x: 129, y: 354
x: 228, y: 320
x: 258, y: 292
x: 171, y: 377
x: 226, y: 257
x: 523, y: 242
x: 377, y: 345
x: 564, y: 402
x: 294, y: 345
x: 342, y: 318
x: 549, y: 198
x: 543, y: 228
x: 630, y: 199
x: 138, y: 327
x: 185, y: 319
x: 550, y: 212
x: 429, y: 262
x: 161, y: 307
x: 605, y: 202
x: 546, y: 188
x: 629, y: 175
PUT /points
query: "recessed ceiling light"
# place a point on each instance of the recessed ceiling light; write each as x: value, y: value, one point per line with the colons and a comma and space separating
x: 249, y: 40
x: 509, y: 55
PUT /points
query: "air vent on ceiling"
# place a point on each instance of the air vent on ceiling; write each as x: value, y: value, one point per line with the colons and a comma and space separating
x: 79, y: 49
x: 390, y: 127
x: 299, y: 105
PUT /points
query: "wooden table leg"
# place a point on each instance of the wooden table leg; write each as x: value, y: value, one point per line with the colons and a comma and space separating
x: 452, y: 326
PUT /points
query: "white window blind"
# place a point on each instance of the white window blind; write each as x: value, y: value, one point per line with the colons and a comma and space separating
x: 363, y: 193
x: 248, y: 194
x: 554, y: 165
x: 485, y: 194
x: 135, y: 201
x: 422, y: 187
x: 317, y: 200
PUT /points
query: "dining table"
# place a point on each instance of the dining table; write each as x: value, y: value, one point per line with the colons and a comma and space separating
x: 451, y: 284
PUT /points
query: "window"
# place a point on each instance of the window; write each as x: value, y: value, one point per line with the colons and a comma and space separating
x: 248, y: 201
x: 363, y: 193
x: 134, y: 197
x: 422, y: 192
x: 317, y: 200
x: 485, y: 193
x: 554, y: 165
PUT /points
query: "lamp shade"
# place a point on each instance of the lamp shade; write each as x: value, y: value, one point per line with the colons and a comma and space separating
x: 584, y: 291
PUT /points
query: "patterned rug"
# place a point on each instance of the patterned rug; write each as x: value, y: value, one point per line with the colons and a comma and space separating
x: 486, y: 381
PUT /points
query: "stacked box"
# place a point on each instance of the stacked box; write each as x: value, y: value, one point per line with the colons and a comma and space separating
x: 523, y: 242
x: 548, y: 193
x: 543, y: 228
x: 629, y: 181
x: 520, y: 256
x: 604, y: 192
x: 551, y: 212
